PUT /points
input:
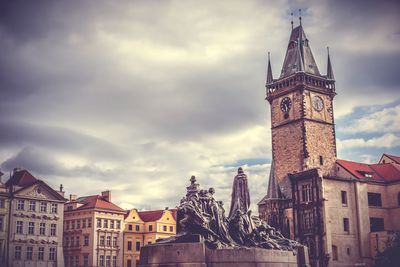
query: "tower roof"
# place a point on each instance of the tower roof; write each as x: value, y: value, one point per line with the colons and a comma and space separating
x: 329, y: 70
x: 299, y: 57
x: 274, y: 191
x: 270, y: 78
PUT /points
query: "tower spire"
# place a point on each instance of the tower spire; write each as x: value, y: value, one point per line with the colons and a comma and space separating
x: 274, y: 191
x: 329, y: 70
x: 270, y: 78
x: 300, y: 16
x: 292, y: 20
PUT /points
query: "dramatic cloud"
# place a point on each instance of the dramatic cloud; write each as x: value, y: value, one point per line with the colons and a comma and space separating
x: 136, y: 96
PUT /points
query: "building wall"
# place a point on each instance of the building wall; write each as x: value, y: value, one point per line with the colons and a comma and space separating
x: 36, y: 240
x: 94, y: 249
x: 335, y: 211
x: 144, y: 235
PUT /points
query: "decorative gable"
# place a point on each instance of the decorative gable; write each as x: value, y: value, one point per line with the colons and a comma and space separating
x: 39, y: 191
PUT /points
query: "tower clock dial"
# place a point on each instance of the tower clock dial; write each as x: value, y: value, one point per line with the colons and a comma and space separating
x: 317, y: 103
x: 286, y: 104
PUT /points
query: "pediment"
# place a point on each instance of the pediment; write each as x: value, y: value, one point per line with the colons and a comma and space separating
x: 39, y: 191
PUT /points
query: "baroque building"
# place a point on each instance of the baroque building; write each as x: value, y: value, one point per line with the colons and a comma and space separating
x: 35, y: 222
x: 143, y: 228
x: 4, y: 212
x: 342, y: 210
x: 93, y: 231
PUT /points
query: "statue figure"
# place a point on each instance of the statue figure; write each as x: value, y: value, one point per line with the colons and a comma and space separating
x: 201, y: 217
x: 240, y: 194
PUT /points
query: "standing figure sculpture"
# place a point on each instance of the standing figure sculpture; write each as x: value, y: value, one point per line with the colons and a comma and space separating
x: 240, y: 194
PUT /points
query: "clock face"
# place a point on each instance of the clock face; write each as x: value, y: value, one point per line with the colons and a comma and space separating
x: 317, y: 103
x: 286, y: 104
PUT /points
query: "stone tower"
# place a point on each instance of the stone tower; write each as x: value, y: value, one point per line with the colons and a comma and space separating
x: 302, y: 121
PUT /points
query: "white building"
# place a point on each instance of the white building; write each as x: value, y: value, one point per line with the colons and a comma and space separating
x: 35, y: 222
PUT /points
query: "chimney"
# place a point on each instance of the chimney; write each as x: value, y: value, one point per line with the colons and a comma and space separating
x: 72, y: 198
x: 106, y: 195
x: 15, y: 170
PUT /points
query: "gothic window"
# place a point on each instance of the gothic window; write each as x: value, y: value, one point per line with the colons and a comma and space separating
x: 307, y: 220
x: 306, y: 192
x: 321, y: 160
x: 335, y: 255
x: 311, y: 246
x: 344, y: 198
x: 346, y: 225
x: 376, y: 224
x: 374, y: 199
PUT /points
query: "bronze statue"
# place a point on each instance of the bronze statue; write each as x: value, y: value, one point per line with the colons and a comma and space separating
x: 201, y: 217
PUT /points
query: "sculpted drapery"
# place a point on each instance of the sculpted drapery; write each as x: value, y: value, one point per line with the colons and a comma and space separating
x: 240, y: 194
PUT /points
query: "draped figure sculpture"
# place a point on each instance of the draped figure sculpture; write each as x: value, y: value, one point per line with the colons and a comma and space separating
x: 240, y: 194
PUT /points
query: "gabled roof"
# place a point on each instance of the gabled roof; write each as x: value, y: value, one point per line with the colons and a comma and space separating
x: 151, y: 215
x: 379, y: 172
x: 96, y: 201
x: 393, y: 157
x: 21, y: 178
x: 299, y: 57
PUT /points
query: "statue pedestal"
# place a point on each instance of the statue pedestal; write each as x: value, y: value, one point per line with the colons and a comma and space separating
x: 198, y: 255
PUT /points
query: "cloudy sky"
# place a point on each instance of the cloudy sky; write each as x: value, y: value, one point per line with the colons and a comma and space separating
x: 136, y: 96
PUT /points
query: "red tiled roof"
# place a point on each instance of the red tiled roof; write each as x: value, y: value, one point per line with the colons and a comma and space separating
x: 96, y: 201
x: 151, y: 215
x: 21, y: 178
x: 380, y: 172
x: 174, y: 213
x: 394, y: 158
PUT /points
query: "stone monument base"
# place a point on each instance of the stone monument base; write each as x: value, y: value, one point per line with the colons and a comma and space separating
x: 198, y: 255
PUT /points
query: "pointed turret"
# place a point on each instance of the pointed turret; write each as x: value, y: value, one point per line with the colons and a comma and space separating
x: 270, y: 78
x: 329, y: 70
x: 298, y: 55
x: 274, y: 191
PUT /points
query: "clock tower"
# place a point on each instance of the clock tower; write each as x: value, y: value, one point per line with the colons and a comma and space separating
x: 302, y: 121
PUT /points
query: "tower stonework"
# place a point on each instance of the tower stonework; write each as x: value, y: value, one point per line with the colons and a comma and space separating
x: 302, y: 121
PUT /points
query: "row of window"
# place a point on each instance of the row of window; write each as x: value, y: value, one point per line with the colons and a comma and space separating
x: 137, y: 228
x: 137, y: 246
x: 32, y: 229
x: 106, y: 241
x: 110, y: 224
x: 73, y: 261
x: 32, y: 206
x: 29, y: 255
x: 77, y: 224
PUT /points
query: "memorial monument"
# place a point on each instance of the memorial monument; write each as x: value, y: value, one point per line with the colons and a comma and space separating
x: 206, y: 237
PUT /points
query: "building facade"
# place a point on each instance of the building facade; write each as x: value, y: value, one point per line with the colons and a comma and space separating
x: 35, y: 223
x: 333, y: 206
x: 4, y: 218
x: 143, y: 228
x: 93, y: 231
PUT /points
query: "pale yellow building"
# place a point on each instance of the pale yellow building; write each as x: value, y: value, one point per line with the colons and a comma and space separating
x: 93, y: 227
x: 145, y: 227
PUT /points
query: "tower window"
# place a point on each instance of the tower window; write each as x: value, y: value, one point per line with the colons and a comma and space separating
x: 346, y: 225
x: 374, y: 199
x: 344, y: 198
x: 334, y: 253
x: 306, y: 192
x: 321, y: 160
x: 376, y: 224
